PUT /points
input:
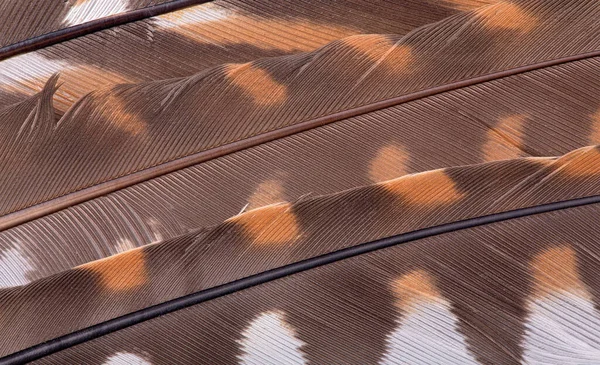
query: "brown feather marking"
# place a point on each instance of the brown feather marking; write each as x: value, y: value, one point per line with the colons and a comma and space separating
x: 427, y: 188
x: 272, y: 225
x: 506, y: 15
x: 115, y: 111
x: 379, y: 49
x: 257, y: 84
x: 555, y: 270
x: 414, y: 287
x: 120, y: 272
x: 388, y: 164
x: 505, y: 140
x: 584, y: 162
x: 595, y: 135
x: 266, y: 193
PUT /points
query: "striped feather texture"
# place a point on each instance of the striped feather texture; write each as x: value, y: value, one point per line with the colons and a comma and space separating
x: 204, y: 36
x: 139, y: 142
x: 174, y: 149
x: 531, y: 301
x: 281, y: 234
x: 151, y: 124
x: 408, y: 138
x: 22, y: 20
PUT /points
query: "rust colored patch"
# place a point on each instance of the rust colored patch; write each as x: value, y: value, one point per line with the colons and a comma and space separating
x: 426, y: 188
x: 595, y: 135
x: 115, y: 111
x: 266, y: 193
x: 505, y: 141
x: 414, y: 287
x: 555, y: 270
x: 583, y: 162
x: 120, y: 272
x: 383, y: 52
x: 389, y: 163
x: 507, y: 16
x: 257, y: 84
x: 272, y: 225
x: 75, y: 82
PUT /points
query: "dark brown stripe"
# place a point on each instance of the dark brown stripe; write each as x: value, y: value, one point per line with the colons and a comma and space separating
x: 54, y: 205
x: 65, y: 34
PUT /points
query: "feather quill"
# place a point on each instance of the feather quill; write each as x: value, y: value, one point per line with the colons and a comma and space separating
x: 23, y: 20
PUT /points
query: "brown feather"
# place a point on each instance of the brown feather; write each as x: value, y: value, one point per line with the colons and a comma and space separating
x: 282, y: 234
x: 468, y: 297
x: 330, y: 138
x: 424, y: 134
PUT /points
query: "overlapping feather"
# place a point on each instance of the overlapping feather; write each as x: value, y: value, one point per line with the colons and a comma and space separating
x: 280, y: 234
x: 232, y: 137
x: 23, y: 20
x: 486, y: 295
x: 188, y: 41
x: 121, y: 131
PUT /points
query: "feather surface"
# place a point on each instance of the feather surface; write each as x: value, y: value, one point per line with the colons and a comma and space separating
x: 148, y: 137
x: 531, y: 301
x: 190, y: 40
x: 22, y: 20
x: 295, y: 135
x: 152, y: 124
x: 277, y: 235
x: 408, y: 138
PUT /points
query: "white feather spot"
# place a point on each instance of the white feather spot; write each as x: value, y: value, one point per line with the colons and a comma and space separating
x: 14, y: 267
x: 563, y: 328
x: 124, y: 244
x: 428, y: 334
x: 27, y: 69
x: 88, y: 10
x: 201, y: 14
x: 126, y: 358
x: 270, y: 340
x: 155, y: 229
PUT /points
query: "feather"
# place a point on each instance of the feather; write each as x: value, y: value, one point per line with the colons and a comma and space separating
x: 23, y: 20
x: 298, y: 137
x: 281, y: 234
x: 411, y: 137
x: 394, y: 142
x: 205, y: 36
x: 485, y: 295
